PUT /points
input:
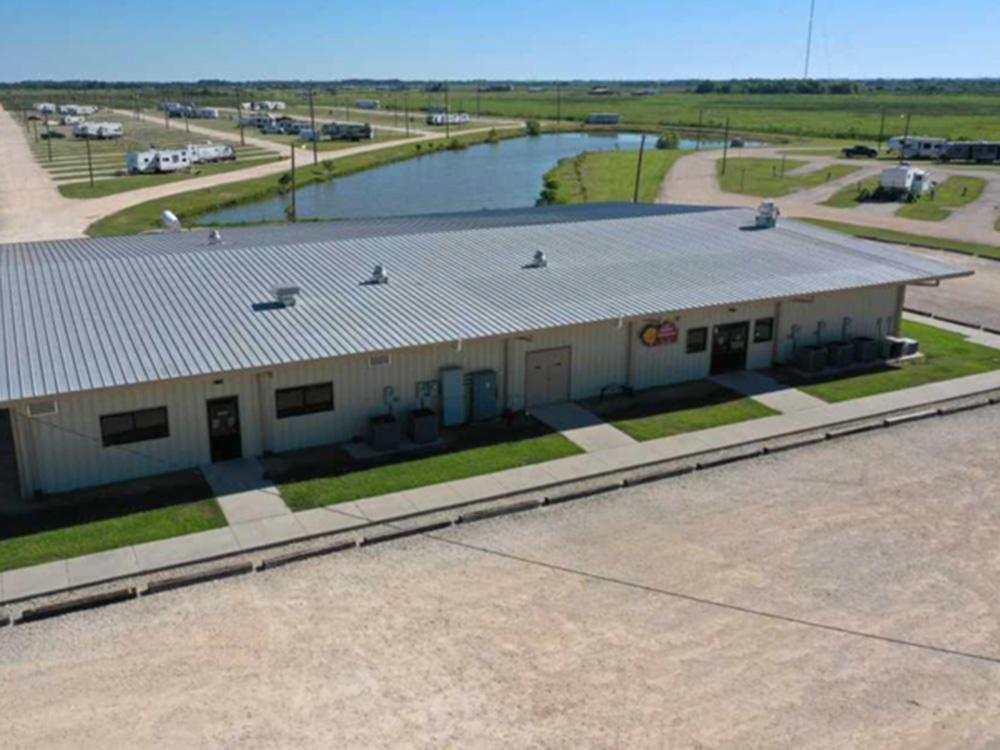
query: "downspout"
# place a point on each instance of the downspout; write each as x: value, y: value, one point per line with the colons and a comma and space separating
x: 264, y: 414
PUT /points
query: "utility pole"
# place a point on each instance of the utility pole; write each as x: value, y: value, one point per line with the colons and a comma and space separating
x: 725, y: 146
x: 638, y: 169
x: 701, y: 117
x: 406, y: 111
x: 479, y: 105
x: 48, y: 136
x: 809, y: 36
x: 312, y: 125
x: 239, y: 118
x: 447, y: 114
x: 347, y: 110
x: 187, y: 123
x: 906, y: 137
x: 90, y: 163
x: 558, y: 101
x: 294, y: 210
x: 881, y: 129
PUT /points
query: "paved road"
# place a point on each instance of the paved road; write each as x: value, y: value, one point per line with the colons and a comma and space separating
x: 974, y: 299
x: 693, y: 180
x: 751, y: 606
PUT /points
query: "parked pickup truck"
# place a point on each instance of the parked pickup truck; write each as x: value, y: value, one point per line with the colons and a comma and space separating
x: 859, y: 150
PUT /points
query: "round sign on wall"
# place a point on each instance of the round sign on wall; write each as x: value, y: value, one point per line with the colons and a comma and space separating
x: 658, y: 335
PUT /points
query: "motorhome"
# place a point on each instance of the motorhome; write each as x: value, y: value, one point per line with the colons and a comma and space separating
x: 444, y: 118
x: 916, y: 147
x: 202, y: 153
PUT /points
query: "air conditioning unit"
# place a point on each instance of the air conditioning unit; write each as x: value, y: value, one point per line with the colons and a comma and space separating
x: 840, y: 354
x: 811, y: 359
x: 898, y: 347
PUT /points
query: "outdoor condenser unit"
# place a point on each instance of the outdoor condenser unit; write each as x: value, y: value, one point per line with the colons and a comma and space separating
x: 811, y: 359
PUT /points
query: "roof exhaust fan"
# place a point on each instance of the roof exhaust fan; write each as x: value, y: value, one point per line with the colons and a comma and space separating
x: 286, y: 295
x: 215, y: 237
x: 767, y: 215
x: 170, y: 221
x: 379, y: 275
x: 539, y: 260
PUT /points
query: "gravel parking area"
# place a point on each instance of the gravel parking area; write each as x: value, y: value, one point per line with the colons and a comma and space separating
x: 972, y: 299
x: 844, y: 595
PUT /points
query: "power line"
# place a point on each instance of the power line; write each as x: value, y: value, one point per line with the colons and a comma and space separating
x: 809, y: 35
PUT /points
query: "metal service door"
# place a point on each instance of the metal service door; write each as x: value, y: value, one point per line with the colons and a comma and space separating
x: 547, y: 377
x: 224, y: 434
x: 729, y: 347
x: 10, y: 490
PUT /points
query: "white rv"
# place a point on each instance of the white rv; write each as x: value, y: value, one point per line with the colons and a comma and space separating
x: 441, y: 118
x: 206, y: 113
x: 141, y: 162
x: 99, y: 130
x: 202, y: 153
x: 172, y: 160
x: 45, y: 108
x: 70, y: 119
x: 905, y: 180
x: 917, y: 147
x: 367, y: 104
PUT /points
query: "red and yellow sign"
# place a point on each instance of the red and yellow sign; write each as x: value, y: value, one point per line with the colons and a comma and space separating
x: 658, y: 335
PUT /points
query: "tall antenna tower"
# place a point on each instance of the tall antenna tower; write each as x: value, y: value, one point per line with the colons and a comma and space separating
x: 809, y: 35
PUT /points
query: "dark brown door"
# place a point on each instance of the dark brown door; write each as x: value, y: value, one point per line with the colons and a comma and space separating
x: 729, y: 347
x: 224, y: 429
x: 10, y: 490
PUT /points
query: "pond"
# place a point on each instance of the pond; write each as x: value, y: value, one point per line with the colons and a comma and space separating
x: 507, y: 174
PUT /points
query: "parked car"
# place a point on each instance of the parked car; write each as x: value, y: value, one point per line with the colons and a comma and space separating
x: 859, y: 150
x: 53, y: 134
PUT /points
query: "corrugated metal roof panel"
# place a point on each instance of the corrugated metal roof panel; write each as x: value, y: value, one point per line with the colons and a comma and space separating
x: 83, y: 314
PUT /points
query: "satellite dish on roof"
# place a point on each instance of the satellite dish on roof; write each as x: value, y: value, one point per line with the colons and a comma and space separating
x: 170, y: 221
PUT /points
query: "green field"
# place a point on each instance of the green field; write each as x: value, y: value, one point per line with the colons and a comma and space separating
x: 848, y: 197
x: 954, y: 192
x: 607, y: 176
x: 146, y: 216
x: 765, y: 178
x: 854, y: 117
x: 905, y: 238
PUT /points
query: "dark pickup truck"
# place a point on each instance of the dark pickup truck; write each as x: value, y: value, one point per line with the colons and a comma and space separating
x: 866, y: 151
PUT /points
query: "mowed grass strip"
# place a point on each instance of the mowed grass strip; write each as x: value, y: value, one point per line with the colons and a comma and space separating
x: 99, y: 536
x: 768, y: 179
x: 905, y: 238
x: 595, y: 176
x: 408, y: 475
x: 946, y: 356
x: 674, y: 410
x: 849, y: 196
x: 105, y: 187
x: 954, y: 192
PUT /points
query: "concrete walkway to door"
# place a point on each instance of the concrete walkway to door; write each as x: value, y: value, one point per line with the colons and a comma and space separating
x: 585, y: 429
x: 768, y: 391
x: 243, y: 493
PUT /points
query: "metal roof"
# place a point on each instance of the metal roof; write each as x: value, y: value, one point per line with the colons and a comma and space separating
x: 78, y: 315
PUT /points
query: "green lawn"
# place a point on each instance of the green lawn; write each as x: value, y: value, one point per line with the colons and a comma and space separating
x: 103, y: 518
x: 905, y: 238
x: 672, y: 410
x: 946, y: 355
x: 763, y: 177
x: 954, y: 192
x: 137, y: 181
x: 146, y: 216
x: 847, y: 197
x: 608, y: 176
x: 419, y: 472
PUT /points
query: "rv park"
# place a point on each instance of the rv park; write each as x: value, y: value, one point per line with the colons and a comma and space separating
x: 541, y: 412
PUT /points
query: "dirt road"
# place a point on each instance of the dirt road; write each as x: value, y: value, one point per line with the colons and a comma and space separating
x: 840, y: 596
x: 693, y: 180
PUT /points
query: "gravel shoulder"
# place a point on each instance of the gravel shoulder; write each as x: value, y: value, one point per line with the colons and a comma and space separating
x: 839, y: 596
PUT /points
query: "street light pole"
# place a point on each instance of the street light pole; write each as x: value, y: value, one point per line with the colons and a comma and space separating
x: 312, y: 125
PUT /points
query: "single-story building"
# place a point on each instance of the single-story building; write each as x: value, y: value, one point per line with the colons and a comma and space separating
x: 128, y: 357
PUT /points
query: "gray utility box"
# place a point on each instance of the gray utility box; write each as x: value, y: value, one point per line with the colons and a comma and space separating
x: 384, y: 433
x: 865, y: 350
x: 423, y: 426
x: 840, y: 354
x: 485, y: 403
x: 452, y: 397
x: 811, y: 358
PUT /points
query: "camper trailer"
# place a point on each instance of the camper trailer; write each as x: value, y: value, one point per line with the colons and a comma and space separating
x: 70, y: 119
x: 172, y: 160
x: 267, y: 106
x: 367, y: 104
x: 98, y: 130
x: 77, y: 109
x: 904, y: 181
x: 443, y: 118
x: 916, y: 147
x: 45, y: 108
x: 206, y: 113
x: 204, y: 153
x: 141, y: 162
x: 981, y: 152
x: 348, y: 131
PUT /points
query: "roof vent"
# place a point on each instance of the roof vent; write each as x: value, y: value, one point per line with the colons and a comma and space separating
x: 379, y: 275
x: 286, y: 295
x: 539, y: 260
x: 767, y: 215
x: 215, y: 237
x: 170, y: 221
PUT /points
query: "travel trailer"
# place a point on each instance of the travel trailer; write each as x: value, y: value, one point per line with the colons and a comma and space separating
x: 98, y: 130
x: 443, y: 118
x: 367, y: 104
x: 980, y: 152
x: 916, y: 147
x: 348, y: 131
x: 171, y: 160
x: 904, y: 180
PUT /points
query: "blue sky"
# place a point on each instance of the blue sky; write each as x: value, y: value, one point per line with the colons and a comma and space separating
x: 517, y: 39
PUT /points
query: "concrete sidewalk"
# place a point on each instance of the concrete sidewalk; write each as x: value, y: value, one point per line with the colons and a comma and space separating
x: 583, y: 427
x: 286, y: 526
x: 768, y: 391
